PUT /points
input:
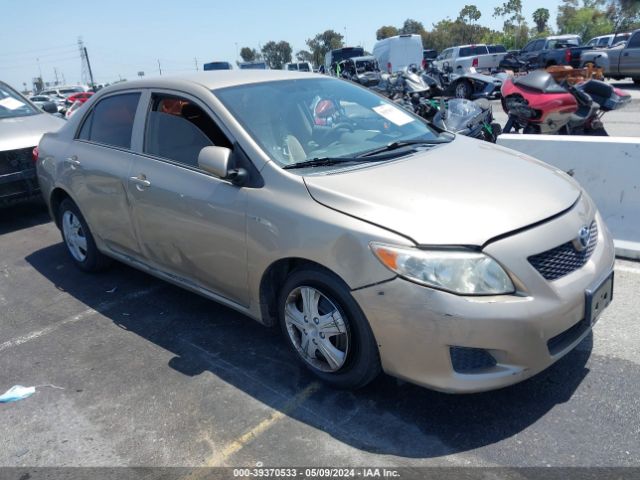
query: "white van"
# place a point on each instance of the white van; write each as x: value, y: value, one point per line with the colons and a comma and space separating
x: 298, y: 67
x: 397, y: 53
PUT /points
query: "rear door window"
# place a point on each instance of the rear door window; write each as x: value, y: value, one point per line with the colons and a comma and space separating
x: 178, y: 128
x: 634, y: 42
x: 110, y: 122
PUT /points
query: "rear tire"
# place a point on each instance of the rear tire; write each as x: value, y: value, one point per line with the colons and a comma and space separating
x: 78, y: 239
x: 636, y: 81
x: 598, y: 132
x: 326, y: 329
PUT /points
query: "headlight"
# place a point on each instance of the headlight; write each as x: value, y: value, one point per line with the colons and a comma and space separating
x: 458, y: 271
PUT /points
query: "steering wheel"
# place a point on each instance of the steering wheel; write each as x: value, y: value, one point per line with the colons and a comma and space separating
x: 343, y: 125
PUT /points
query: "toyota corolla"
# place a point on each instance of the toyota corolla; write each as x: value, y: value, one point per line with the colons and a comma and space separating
x: 375, y: 241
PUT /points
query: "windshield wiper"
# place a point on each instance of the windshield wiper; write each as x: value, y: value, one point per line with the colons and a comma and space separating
x: 322, y: 162
x: 401, y: 143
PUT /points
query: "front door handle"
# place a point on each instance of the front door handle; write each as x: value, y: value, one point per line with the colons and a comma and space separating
x: 141, y: 181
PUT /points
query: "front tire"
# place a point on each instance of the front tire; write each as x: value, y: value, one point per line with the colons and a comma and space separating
x: 463, y: 89
x: 326, y: 329
x: 78, y: 239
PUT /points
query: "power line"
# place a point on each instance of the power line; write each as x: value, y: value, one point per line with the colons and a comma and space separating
x: 38, y: 50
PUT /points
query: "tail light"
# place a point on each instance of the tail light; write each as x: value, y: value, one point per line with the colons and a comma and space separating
x: 34, y: 154
x: 389, y: 67
x: 424, y: 63
x: 474, y: 62
x: 567, y: 56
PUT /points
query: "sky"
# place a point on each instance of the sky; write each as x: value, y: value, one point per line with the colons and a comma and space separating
x: 126, y: 37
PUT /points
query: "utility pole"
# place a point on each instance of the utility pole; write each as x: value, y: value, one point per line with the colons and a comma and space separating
x: 39, y: 69
x: 86, y: 56
x: 196, y: 62
x: 55, y: 73
x: 159, y: 67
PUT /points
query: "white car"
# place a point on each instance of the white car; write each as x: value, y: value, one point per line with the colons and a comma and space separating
x: 608, y: 41
x: 465, y: 57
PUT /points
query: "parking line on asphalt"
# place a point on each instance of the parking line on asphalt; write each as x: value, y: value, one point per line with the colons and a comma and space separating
x: 76, y: 318
x: 239, y: 443
x: 627, y: 269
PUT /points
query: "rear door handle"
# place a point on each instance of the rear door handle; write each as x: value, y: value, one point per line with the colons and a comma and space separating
x: 140, y: 181
x: 73, y: 161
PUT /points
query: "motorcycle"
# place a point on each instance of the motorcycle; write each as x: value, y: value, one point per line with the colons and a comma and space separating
x: 536, y: 103
x: 466, y: 117
x: 470, y: 85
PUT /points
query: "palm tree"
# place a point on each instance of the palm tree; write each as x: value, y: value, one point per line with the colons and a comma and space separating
x: 541, y: 17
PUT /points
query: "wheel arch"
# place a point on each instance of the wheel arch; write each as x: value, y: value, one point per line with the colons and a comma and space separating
x: 272, y: 280
x: 57, y: 196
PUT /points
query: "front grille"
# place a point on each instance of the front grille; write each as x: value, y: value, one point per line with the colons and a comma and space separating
x: 471, y: 360
x: 12, y: 161
x: 563, y: 260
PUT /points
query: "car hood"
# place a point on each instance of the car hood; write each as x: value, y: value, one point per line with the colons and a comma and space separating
x: 462, y: 193
x: 23, y: 132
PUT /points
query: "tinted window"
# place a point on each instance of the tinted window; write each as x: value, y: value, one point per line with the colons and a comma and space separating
x: 476, y: 50
x: 623, y: 37
x: 603, y: 42
x: 177, y: 129
x: 111, y: 121
x: 496, y: 49
x: 634, y: 42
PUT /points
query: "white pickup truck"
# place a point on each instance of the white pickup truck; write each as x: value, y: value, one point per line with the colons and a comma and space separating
x: 464, y: 57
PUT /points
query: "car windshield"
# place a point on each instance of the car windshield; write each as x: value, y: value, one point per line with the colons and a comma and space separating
x: 296, y: 121
x: 14, y: 105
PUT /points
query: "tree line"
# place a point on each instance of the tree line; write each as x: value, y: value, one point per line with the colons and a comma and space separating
x: 587, y: 18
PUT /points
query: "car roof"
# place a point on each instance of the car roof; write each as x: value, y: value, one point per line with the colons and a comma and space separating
x: 212, y: 80
x: 562, y: 37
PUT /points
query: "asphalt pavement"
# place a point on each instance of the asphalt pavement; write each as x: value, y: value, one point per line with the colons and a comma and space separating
x: 152, y: 375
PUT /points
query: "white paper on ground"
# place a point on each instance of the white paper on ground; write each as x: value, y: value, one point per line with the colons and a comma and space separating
x: 17, y: 392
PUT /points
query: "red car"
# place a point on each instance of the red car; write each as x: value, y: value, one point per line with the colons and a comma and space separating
x: 79, y: 97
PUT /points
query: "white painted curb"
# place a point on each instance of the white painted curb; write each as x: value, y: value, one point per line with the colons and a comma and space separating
x: 609, y: 170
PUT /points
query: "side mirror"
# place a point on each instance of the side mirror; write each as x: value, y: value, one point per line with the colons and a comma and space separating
x: 50, y: 107
x: 215, y: 160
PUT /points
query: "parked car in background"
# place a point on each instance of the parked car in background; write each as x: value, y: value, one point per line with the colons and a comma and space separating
x: 22, y: 124
x: 252, y: 66
x: 73, y: 109
x: 78, y: 97
x: 362, y: 70
x: 465, y: 57
x: 42, y: 101
x: 428, y: 55
x: 607, y: 41
x: 553, y: 50
x: 217, y: 66
x: 375, y: 241
x: 63, y: 91
x: 618, y: 62
x: 335, y: 56
x: 398, y: 52
x: 298, y: 67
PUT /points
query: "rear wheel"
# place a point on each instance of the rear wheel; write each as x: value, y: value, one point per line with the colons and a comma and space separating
x: 636, y: 81
x: 326, y: 329
x: 79, y: 240
x: 597, y: 132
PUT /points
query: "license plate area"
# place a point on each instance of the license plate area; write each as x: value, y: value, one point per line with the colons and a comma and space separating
x: 598, y: 299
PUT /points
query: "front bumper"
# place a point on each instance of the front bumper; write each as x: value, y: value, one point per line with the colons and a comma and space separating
x: 17, y: 177
x: 415, y: 326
